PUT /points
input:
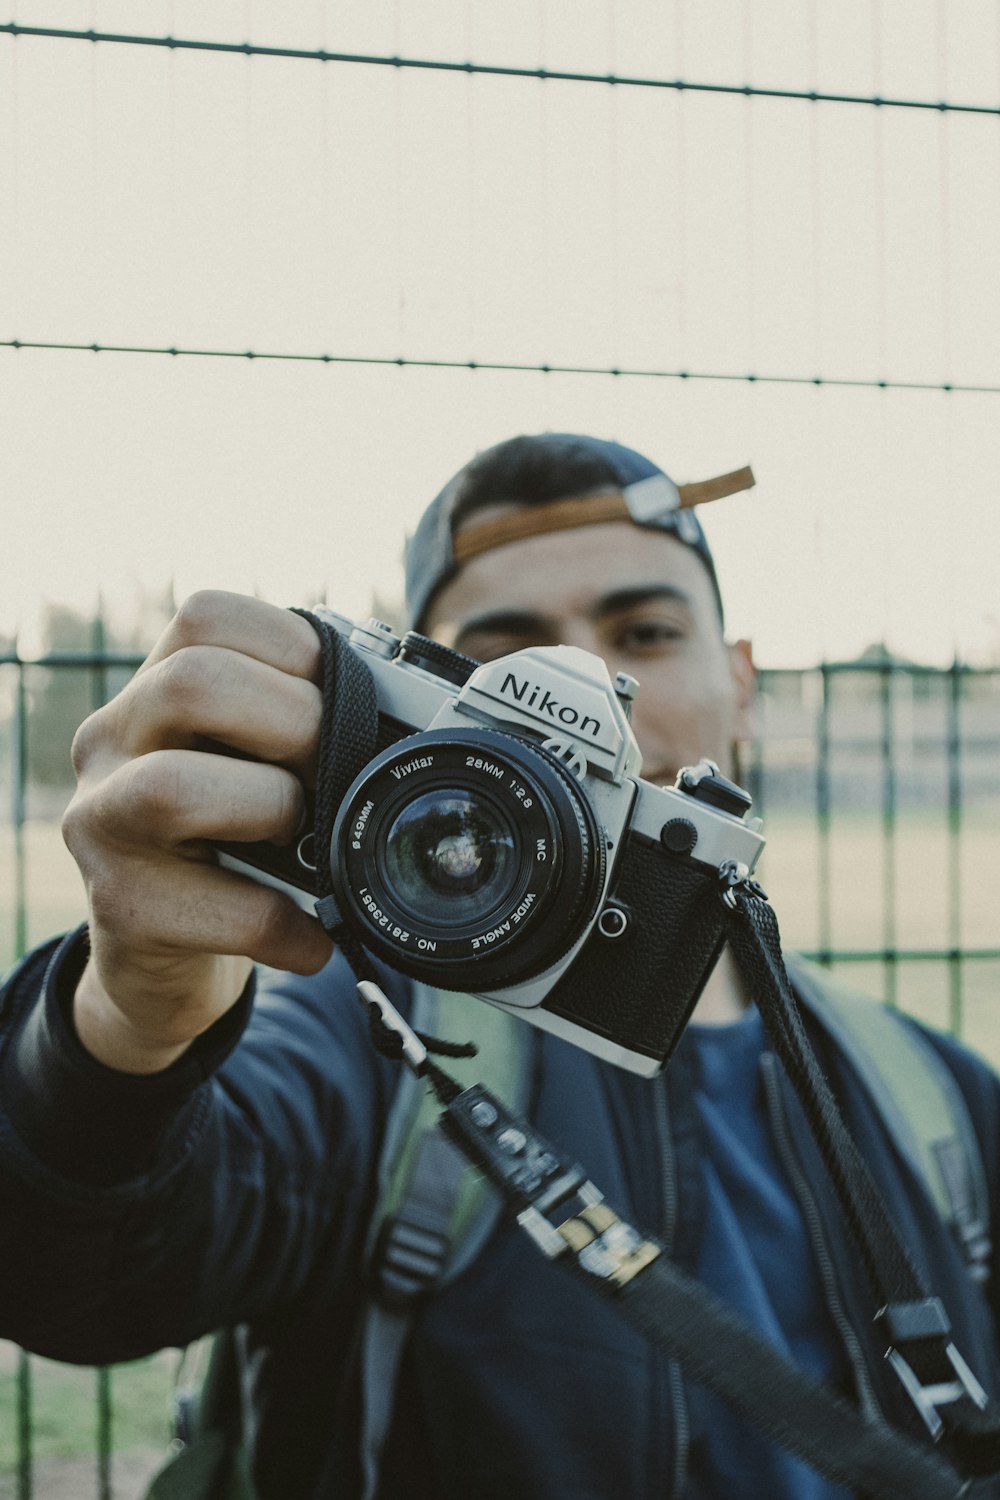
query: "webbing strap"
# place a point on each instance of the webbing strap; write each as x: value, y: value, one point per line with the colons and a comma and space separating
x: 569, y: 1220
x: 783, y: 1402
x: 426, y: 1183
x: 918, y: 1100
x: 410, y: 1262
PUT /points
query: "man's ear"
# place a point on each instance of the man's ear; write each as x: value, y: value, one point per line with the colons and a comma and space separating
x: 744, y: 676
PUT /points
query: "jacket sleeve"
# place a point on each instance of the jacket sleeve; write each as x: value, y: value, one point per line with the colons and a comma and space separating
x: 138, y: 1212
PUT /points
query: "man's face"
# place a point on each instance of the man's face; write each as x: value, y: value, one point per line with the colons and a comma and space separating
x: 638, y: 598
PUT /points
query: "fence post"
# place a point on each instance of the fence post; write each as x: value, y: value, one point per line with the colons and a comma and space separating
x: 954, y: 743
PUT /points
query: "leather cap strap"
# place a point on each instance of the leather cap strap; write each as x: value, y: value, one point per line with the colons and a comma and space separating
x: 590, y: 510
x: 558, y: 515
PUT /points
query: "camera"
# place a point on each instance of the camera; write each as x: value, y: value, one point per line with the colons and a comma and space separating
x: 502, y: 842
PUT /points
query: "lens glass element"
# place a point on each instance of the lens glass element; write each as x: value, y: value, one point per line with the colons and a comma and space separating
x: 450, y: 857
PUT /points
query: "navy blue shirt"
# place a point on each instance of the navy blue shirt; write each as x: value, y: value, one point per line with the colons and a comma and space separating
x: 757, y: 1256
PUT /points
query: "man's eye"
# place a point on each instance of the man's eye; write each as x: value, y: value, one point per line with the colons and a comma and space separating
x: 649, y: 635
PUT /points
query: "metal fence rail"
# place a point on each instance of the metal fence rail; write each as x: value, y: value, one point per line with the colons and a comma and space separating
x: 831, y: 743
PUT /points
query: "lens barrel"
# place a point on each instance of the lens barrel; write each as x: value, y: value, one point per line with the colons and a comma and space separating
x: 468, y: 859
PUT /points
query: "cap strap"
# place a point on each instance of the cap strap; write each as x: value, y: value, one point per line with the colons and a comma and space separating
x: 704, y: 490
x: 558, y: 515
x: 583, y: 510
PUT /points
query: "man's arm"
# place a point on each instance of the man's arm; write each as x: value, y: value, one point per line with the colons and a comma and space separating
x: 138, y: 1211
x: 146, y: 1194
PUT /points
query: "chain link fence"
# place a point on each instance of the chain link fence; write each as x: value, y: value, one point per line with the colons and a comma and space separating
x: 879, y: 784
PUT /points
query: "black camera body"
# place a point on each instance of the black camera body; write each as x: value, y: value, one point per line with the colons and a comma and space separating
x: 501, y: 842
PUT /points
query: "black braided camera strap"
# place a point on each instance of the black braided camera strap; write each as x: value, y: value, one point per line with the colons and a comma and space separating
x: 347, y: 734
x: 347, y: 742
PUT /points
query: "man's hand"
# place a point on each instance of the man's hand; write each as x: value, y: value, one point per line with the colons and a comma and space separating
x: 172, y: 934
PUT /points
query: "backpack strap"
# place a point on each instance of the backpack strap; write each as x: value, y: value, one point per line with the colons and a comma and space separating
x: 918, y: 1099
x: 211, y: 1460
x: 434, y: 1213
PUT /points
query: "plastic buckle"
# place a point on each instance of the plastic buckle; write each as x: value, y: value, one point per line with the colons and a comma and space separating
x: 907, y: 1322
x: 927, y: 1398
x: 409, y: 1261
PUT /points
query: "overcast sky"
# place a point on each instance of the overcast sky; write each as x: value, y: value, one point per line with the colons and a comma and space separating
x: 175, y: 198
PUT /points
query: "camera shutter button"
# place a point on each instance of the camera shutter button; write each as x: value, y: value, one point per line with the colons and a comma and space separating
x: 679, y: 836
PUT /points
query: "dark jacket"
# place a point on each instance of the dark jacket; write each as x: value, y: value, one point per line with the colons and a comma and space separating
x: 236, y: 1188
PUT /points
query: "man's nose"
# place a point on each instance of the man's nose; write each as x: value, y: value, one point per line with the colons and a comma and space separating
x: 580, y: 633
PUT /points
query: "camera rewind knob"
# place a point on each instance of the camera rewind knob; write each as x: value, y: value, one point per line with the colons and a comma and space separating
x: 423, y: 652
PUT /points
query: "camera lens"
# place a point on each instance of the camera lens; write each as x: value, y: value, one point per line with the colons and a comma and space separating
x: 467, y: 858
x: 450, y: 857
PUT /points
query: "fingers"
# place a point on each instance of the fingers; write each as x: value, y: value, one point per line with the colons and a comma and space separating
x: 227, y: 667
x: 211, y: 692
x: 235, y: 622
x: 171, y: 797
x: 169, y: 910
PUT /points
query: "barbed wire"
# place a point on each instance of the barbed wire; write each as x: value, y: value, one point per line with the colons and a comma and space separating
x: 408, y: 362
x: 498, y: 70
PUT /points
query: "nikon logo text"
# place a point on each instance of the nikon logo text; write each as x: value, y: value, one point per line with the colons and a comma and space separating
x: 538, y: 698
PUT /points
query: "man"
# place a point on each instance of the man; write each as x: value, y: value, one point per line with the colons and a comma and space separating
x: 173, y: 1163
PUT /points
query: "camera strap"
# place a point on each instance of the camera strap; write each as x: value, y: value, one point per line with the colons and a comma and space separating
x: 569, y: 1220
x: 948, y: 1399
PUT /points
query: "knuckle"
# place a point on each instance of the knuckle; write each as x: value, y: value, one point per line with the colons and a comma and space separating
x: 291, y: 804
x: 89, y: 736
x: 199, y: 615
x: 185, y: 678
x: 85, y: 827
x: 73, y: 826
x: 275, y: 920
x: 152, y: 790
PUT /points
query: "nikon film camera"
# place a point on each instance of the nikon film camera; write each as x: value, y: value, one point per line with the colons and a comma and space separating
x: 503, y: 843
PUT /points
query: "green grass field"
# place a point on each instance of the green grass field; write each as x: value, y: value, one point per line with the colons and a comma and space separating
x: 64, y: 1417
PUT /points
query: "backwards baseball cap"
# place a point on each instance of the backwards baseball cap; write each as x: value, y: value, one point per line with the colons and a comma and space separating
x: 555, y: 481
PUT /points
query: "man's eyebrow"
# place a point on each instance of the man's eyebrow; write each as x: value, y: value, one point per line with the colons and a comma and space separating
x: 506, y: 622
x: 620, y: 600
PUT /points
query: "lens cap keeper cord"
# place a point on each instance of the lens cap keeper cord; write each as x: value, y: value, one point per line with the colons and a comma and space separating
x: 567, y: 1217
